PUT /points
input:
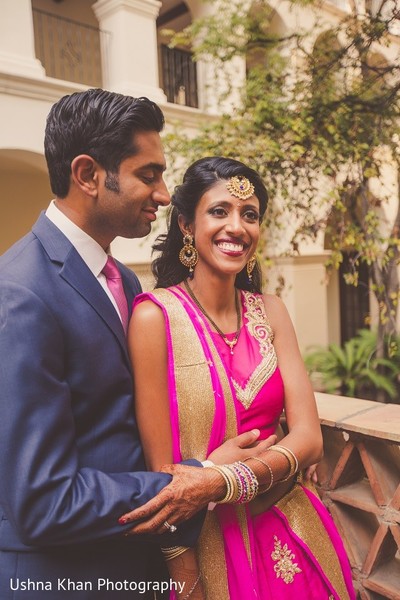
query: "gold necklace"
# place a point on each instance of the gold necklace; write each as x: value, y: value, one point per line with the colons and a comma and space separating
x: 231, y: 343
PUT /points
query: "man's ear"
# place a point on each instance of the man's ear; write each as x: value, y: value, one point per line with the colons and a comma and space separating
x: 85, y: 174
x: 184, y: 226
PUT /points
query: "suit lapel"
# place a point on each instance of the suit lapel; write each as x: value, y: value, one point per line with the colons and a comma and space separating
x: 130, y: 293
x: 78, y: 275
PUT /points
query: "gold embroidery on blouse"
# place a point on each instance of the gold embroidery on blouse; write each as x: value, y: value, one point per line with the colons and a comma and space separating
x: 285, y: 567
x: 258, y: 326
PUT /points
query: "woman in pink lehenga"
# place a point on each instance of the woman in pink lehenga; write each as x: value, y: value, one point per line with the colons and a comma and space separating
x: 198, y: 384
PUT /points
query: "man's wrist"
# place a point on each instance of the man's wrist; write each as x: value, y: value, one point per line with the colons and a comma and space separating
x: 209, y: 463
x: 218, y: 485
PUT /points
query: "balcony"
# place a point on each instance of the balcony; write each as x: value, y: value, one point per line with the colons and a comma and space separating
x: 359, y: 482
x: 69, y: 50
x: 179, y: 76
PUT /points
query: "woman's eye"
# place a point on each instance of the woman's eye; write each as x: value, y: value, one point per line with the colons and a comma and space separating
x: 251, y: 215
x: 218, y: 212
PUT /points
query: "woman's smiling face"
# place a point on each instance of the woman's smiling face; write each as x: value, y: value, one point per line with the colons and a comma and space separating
x: 226, y: 229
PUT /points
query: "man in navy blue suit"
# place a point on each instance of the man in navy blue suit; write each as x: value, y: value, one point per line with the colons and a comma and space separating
x: 70, y: 456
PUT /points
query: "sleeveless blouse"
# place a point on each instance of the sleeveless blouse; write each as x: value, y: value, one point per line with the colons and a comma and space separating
x: 253, y: 369
x: 291, y: 550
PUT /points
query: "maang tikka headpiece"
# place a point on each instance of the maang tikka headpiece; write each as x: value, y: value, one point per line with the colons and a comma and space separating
x: 240, y: 187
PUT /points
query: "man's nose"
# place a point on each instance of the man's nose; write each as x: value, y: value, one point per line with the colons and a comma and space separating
x: 161, y: 195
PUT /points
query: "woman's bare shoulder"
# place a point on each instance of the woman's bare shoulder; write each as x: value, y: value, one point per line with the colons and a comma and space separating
x: 148, y: 315
x: 275, y: 308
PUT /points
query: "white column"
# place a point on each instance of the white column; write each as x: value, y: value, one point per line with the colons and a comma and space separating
x: 17, y: 46
x: 216, y: 81
x: 130, y: 58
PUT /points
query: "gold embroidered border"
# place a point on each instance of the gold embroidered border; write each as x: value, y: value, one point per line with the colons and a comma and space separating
x: 231, y: 423
x: 257, y: 322
x: 195, y: 397
x: 259, y: 328
x: 307, y: 525
x: 256, y: 381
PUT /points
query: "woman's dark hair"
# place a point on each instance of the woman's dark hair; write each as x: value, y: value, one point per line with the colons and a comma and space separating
x: 201, y: 176
x: 98, y: 123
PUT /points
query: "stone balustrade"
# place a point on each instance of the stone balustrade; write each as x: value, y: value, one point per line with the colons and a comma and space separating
x: 359, y: 482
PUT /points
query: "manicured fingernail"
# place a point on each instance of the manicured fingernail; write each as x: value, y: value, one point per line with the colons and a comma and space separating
x: 122, y: 521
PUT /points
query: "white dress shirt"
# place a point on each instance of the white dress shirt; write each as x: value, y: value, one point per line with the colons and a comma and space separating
x: 90, y: 251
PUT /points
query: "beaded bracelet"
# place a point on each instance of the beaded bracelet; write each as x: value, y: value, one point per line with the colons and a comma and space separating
x: 241, y: 483
x: 247, y: 481
x: 252, y: 482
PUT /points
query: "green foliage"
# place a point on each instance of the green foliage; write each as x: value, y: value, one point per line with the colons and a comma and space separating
x: 355, y: 370
x: 318, y: 119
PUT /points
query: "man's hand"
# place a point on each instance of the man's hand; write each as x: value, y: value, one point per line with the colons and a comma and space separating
x: 241, y: 447
x: 192, y: 488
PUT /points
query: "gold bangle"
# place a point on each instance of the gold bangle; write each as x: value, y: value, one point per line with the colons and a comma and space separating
x: 231, y: 484
x: 292, y: 464
x: 173, y: 552
x: 290, y: 457
x: 293, y: 456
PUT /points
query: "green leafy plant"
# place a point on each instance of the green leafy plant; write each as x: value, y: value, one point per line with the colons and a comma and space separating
x: 319, y: 120
x: 354, y: 369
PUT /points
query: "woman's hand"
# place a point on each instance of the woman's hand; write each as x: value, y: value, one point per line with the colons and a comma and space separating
x: 311, y: 474
x: 241, y: 447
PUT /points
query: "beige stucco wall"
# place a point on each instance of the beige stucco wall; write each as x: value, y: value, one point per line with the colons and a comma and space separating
x: 26, y: 95
x: 24, y: 192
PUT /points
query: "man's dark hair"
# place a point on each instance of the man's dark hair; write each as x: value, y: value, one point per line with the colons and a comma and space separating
x: 98, y: 123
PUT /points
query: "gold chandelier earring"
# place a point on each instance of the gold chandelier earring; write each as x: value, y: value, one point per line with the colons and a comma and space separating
x: 188, y: 254
x: 250, y: 267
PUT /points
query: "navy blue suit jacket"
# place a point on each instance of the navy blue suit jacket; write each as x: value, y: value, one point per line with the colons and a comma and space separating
x: 70, y: 457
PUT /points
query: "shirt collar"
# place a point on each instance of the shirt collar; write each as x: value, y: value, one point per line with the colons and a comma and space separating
x: 90, y: 251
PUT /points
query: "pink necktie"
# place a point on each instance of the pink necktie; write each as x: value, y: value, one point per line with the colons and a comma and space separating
x: 114, y: 283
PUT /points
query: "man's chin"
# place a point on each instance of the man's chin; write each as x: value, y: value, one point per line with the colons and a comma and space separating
x: 137, y: 233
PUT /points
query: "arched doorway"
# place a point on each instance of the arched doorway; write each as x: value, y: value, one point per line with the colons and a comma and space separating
x: 24, y: 192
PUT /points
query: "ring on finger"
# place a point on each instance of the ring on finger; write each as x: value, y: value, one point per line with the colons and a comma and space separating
x: 171, y: 528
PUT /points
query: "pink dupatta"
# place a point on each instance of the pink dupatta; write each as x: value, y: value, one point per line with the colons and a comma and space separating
x: 203, y: 416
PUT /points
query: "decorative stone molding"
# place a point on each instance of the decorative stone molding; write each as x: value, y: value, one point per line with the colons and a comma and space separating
x: 148, y: 8
x: 46, y: 89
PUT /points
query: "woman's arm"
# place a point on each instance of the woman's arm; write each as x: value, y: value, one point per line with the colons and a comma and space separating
x: 304, y: 436
x: 148, y: 352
